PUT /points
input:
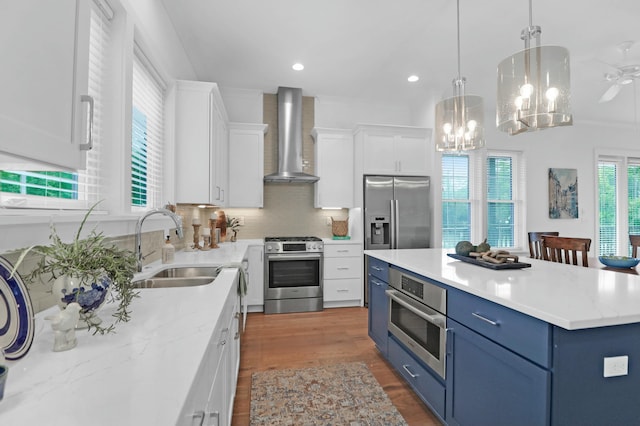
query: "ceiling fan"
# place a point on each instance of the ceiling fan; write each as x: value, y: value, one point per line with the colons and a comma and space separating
x: 622, y: 74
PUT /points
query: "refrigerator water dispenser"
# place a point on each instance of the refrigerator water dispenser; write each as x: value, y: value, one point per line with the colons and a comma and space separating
x: 378, y: 228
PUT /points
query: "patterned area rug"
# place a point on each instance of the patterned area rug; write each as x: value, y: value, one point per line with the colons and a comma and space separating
x: 343, y: 394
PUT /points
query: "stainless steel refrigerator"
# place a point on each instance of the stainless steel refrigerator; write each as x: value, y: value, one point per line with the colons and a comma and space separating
x: 397, y: 213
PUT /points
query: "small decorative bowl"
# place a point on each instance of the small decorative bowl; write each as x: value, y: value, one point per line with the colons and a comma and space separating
x: 619, y: 261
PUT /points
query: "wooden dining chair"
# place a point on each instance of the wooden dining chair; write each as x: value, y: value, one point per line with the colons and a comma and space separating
x: 535, y: 243
x: 565, y: 249
x: 635, y: 243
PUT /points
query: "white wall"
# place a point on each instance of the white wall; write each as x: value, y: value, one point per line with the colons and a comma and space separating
x: 345, y: 113
x: 243, y: 105
x: 571, y: 147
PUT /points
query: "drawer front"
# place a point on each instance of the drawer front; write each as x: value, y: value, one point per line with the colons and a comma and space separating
x: 525, y: 335
x: 338, y: 290
x: 426, y: 386
x: 339, y: 267
x: 379, y: 269
x: 342, y: 250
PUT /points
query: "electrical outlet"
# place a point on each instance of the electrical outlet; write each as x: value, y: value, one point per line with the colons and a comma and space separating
x: 616, y: 366
x: 328, y: 221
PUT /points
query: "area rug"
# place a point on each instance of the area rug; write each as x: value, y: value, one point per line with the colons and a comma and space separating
x: 342, y: 394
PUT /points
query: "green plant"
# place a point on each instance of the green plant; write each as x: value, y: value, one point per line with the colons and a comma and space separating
x: 88, y: 259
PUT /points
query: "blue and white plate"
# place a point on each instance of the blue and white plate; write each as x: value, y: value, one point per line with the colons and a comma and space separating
x: 16, y: 314
x: 619, y: 261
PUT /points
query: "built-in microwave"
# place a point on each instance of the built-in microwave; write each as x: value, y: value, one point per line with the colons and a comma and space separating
x: 417, y: 317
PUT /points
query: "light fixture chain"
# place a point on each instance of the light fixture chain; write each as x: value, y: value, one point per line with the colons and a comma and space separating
x: 458, y: 22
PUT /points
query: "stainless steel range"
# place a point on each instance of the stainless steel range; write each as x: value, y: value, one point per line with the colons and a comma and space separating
x: 293, y: 274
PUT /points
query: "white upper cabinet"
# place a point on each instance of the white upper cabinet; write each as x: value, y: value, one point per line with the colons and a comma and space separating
x: 44, y: 107
x: 334, y: 167
x: 201, y: 138
x: 393, y: 150
x: 390, y: 150
x: 246, y: 164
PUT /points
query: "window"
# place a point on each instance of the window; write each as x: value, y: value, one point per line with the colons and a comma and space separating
x: 456, y: 201
x: 500, y: 203
x: 498, y: 185
x: 59, y: 189
x: 146, y: 133
x: 618, y: 203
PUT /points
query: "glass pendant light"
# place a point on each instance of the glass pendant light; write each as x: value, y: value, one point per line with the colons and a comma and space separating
x: 534, y: 86
x: 459, y: 119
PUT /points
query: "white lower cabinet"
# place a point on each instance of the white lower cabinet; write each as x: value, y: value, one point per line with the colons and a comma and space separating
x: 210, y: 400
x: 342, y: 275
x: 255, y: 281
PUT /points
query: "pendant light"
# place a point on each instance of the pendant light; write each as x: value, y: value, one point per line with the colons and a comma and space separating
x: 459, y: 119
x: 534, y: 86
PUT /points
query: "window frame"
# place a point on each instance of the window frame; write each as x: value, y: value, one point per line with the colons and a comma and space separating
x: 622, y: 160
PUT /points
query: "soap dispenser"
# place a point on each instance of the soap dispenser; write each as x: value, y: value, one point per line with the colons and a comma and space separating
x: 168, y: 251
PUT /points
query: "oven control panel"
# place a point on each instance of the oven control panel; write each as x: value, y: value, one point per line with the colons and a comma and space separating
x: 297, y: 247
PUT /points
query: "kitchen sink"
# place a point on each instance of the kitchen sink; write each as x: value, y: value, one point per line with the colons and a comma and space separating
x: 179, y: 277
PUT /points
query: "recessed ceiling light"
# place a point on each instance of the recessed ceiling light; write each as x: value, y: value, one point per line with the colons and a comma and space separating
x: 298, y: 66
x: 413, y: 78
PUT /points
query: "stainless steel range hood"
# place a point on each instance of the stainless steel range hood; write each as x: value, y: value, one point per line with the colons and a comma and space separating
x: 290, y: 139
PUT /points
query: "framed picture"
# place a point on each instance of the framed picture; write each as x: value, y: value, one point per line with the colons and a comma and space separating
x: 563, y: 193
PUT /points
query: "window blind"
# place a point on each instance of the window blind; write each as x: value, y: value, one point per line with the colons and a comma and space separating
x: 59, y: 189
x: 456, y: 203
x: 500, y: 203
x: 607, y: 207
x: 147, y: 133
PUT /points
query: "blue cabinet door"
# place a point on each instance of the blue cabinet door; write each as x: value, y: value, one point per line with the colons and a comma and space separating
x: 490, y: 385
x: 378, y: 313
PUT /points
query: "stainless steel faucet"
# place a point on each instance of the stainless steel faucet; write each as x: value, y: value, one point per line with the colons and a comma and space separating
x: 176, y: 219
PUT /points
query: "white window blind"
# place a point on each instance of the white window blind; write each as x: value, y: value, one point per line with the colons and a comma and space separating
x: 67, y: 190
x: 147, y: 133
x: 456, y: 202
x: 607, y: 206
x: 505, y: 199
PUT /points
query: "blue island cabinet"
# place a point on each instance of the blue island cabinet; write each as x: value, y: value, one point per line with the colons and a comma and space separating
x: 377, y: 280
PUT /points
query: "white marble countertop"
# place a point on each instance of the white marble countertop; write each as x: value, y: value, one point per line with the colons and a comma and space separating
x: 571, y: 297
x: 141, y: 375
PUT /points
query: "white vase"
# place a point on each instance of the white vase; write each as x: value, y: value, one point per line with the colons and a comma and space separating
x: 89, y: 295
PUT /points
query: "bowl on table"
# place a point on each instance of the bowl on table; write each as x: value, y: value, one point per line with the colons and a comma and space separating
x: 619, y: 261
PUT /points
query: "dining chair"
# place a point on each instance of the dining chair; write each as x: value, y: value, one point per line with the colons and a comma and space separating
x: 535, y: 243
x: 635, y: 243
x: 565, y: 249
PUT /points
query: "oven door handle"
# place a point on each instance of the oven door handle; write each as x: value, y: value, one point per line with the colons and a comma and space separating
x: 277, y: 257
x: 434, y: 319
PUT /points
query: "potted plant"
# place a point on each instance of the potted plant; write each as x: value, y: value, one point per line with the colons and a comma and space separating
x: 86, y: 271
x: 233, y: 224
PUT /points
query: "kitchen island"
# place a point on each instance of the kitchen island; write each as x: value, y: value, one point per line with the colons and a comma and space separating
x: 560, y: 346
x: 149, y: 372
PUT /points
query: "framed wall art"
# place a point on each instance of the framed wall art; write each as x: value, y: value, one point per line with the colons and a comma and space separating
x: 563, y: 193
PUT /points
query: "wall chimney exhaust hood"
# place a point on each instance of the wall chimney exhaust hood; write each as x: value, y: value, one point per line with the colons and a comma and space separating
x: 290, y: 139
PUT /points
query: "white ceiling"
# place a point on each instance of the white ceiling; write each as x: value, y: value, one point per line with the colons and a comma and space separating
x: 366, y: 49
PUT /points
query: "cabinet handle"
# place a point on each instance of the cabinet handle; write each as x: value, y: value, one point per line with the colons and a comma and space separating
x: 342, y: 251
x: 406, y: 368
x: 487, y: 320
x: 197, y: 418
x: 223, y: 340
x: 343, y: 268
x: 216, y: 415
x: 376, y: 268
x: 89, y: 145
x: 343, y: 290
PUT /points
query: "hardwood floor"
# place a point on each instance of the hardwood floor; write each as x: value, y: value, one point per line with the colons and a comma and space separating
x: 316, y: 338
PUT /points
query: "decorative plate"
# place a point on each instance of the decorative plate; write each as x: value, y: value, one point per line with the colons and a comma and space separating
x: 16, y: 314
x: 619, y: 261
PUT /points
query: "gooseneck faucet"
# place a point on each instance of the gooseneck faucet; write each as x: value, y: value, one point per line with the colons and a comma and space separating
x: 176, y: 219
